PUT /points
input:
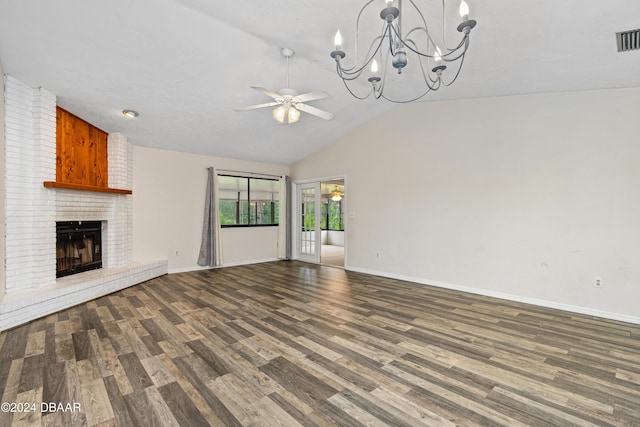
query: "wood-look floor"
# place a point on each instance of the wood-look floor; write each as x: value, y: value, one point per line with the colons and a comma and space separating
x: 289, y: 344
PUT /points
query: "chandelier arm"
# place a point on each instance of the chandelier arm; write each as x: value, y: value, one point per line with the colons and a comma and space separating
x: 417, y: 52
x: 424, y: 22
x: 390, y: 35
x: 426, y: 32
x: 383, y: 75
x: 464, y: 42
x: 377, y: 92
x: 358, y: 26
x: 353, y: 94
x: 355, y: 70
x: 444, y: 28
x: 345, y: 75
x: 426, y: 75
x: 446, y: 56
x: 395, y: 101
x: 431, y: 83
x: 457, y: 74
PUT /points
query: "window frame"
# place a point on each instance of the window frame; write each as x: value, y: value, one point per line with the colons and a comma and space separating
x: 275, y: 220
x: 325, y: 216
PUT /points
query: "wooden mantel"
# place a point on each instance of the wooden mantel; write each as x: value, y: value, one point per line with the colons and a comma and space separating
x: 79, y: 187
x: 81, y: 156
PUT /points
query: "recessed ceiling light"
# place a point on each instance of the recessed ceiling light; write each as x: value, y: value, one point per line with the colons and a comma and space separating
x: 130, y: 113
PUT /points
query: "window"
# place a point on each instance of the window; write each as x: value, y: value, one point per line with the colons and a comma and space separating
x: 248, y: 202
x: 331, y: 217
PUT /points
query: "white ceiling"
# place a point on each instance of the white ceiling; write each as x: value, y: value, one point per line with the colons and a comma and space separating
x: 186, y: 64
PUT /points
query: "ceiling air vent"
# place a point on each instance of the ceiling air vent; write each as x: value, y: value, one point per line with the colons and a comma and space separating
x: 628, y: 40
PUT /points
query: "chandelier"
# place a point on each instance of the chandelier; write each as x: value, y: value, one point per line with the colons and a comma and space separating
x: 397, y: 42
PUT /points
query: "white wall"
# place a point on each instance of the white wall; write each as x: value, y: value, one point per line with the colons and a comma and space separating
x: 332, y: 237
x: 2, y: 184
x: 168, y: 206
x: 525, y: 197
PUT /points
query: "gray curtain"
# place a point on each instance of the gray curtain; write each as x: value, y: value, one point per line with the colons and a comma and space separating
x: 284, y: 221
x: 211, y: 248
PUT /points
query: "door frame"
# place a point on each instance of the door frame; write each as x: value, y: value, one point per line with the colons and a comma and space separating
x: 297, y: 215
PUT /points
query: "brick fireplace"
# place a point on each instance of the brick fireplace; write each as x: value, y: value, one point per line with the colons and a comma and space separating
x: 32, y: 289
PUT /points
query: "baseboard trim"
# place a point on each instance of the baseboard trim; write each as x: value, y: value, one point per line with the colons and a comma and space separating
x: 188, y: 269
x: 510, y: 297
x: 229, y: 264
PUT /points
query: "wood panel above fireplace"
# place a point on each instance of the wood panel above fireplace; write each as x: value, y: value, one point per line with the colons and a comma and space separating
x: 81, y: 151
x: 81, y: 156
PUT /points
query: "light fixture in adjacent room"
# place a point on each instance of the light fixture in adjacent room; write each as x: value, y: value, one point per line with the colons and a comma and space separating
x: 405, y: 34
x: 132, y: 114
x: 336, y: 195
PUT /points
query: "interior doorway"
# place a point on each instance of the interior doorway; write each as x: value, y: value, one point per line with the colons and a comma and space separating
x: 321, y: 213
x: 332, y: 222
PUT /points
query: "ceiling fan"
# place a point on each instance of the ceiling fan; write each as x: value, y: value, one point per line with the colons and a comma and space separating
x: 289, y: 103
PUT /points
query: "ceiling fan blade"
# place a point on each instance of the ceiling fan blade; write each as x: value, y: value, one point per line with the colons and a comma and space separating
x: 253, y: 107
x: 266, y: 92
x: 314, y: 111
x: 311, y: 96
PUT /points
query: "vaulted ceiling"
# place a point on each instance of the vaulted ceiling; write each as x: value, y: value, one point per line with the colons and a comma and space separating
x: 186, y: 64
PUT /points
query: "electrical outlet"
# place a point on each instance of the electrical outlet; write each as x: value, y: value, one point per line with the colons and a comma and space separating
x: 378, y: 255
x: 597, y: 281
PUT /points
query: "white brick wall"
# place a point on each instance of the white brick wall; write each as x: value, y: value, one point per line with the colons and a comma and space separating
x: 30, y: 144
x: 119, y: 153
x: 32, y: 211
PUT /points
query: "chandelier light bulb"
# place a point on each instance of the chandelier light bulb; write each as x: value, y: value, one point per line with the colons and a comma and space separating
x: 438, y: 56
x: 374, y: 67
x: 337, y: 40
x: 389, y: 2
x: 464, y: 10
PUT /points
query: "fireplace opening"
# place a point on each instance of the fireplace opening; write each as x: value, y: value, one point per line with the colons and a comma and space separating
x: 78, y: 247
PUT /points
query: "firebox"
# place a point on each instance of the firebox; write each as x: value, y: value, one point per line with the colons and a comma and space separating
x: 78, y: 247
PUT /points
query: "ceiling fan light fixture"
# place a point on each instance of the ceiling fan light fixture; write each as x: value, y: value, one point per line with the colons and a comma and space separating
x: 289, y: 102
x: 286, y: 114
